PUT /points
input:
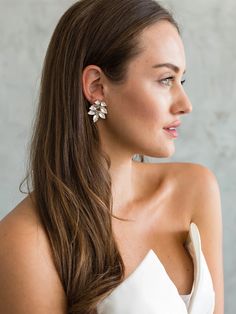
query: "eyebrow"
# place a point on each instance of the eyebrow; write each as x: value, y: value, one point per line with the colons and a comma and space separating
x: 168, y: 65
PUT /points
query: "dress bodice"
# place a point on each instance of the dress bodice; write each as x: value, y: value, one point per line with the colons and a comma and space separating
x: 149, y: 289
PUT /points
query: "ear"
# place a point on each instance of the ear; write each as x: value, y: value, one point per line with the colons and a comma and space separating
x: 92, y: 83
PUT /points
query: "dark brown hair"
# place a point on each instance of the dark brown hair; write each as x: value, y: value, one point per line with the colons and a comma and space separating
x: 68, y: 171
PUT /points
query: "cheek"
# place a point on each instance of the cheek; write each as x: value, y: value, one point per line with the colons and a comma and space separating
x: 145, y: 107
x: 138, y: 106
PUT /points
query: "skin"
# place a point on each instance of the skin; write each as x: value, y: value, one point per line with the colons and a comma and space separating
x: 141, y: 107
x: 137, y: 112
x: 166, y: 196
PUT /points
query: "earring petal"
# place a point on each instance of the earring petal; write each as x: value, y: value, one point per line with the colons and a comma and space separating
x: 95, y: 118
x: 102, y: 115
x: 104, y: 110
x: 91, y: 112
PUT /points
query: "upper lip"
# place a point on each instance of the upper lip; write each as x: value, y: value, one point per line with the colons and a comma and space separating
x: 173, y: 124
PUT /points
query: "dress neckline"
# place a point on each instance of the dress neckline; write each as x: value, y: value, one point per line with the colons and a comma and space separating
x: 150, y: 279
x: 151, y: 254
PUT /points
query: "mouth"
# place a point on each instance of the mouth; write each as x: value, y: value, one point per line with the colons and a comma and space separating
x: 171, y: 129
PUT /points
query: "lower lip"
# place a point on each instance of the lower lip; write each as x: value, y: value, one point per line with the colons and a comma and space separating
x: 173, y: 133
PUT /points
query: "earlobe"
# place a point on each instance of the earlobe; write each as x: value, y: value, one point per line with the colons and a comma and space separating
x: 92, y: 86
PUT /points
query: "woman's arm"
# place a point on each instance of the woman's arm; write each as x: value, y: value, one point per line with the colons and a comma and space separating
x: 28, y: 279
x: 207, y: 216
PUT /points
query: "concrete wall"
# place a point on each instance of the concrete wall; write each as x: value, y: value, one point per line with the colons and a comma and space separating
x: 207, y: 135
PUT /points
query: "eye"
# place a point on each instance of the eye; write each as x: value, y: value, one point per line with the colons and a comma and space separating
x: 167, y: 81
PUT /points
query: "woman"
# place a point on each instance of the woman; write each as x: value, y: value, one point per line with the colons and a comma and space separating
x: 96, y: 221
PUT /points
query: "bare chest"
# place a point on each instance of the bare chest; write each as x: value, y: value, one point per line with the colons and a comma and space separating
x: 165, y: 237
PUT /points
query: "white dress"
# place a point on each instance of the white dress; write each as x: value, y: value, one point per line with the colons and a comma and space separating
x: 149, y: 289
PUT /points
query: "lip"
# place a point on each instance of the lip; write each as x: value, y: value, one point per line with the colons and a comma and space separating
x: 174, y: 124
x: 172, y: 133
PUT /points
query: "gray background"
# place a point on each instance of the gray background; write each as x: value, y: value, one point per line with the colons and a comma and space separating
x: 207, y: 135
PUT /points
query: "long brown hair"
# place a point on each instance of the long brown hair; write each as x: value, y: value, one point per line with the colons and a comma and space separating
x: 68, y: 171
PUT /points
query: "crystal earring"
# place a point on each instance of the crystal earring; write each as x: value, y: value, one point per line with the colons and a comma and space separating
x: 98, y: 110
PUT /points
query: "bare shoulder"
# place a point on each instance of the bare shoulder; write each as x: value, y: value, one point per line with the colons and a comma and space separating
x: 27, y: 272
x: 199, y: 185
x: 185, y: 172
x: 190, y: 180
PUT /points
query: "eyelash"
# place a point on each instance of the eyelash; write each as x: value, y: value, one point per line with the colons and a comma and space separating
x: 171, y: 78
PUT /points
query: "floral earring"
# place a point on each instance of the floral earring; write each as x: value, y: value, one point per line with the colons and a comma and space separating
x: 98, y: 110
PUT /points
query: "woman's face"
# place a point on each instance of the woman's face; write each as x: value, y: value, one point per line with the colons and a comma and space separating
x: 152, y: 97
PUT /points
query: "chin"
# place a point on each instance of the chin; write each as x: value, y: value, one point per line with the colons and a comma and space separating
x: 164, y: 153
x: 165, y: 149
x: 169, y: 150
x: 170, y: 153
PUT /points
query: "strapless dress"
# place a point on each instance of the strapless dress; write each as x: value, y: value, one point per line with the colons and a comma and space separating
x: 149, y: 289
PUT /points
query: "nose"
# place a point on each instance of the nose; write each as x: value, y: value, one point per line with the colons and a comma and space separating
x: 182, y: 104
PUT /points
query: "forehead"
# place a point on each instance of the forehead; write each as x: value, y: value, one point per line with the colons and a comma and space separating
x: 161, y: 43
